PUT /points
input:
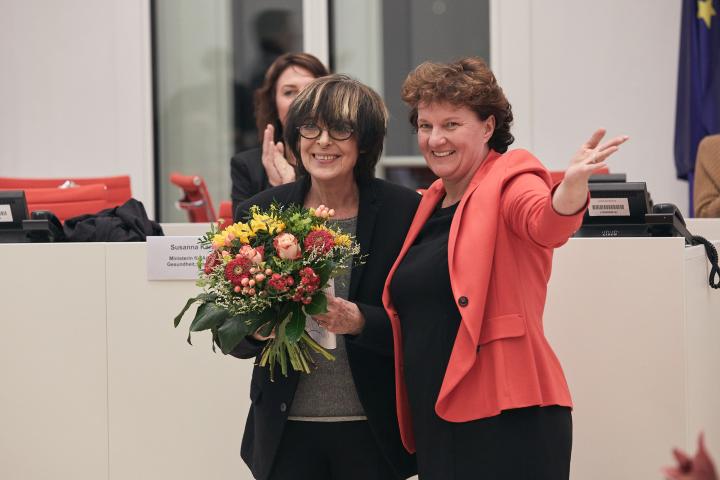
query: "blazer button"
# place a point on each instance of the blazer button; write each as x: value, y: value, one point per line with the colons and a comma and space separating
x: 283, y: 407
x: 463, y: 301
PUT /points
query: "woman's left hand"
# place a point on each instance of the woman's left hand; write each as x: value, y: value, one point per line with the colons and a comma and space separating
x: 342, y: 317
x: 571, y: 194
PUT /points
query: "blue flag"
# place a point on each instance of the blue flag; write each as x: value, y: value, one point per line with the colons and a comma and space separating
x: 698, y: 94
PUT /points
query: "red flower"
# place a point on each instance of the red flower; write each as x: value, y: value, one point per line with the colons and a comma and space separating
x: 237, y: 269
x: 309, y: 281
x: 212, y: 261
x: 319, y: 240
x: 279, y: 283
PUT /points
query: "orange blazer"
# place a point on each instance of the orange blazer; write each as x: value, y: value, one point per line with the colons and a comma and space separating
x: 500, y: 256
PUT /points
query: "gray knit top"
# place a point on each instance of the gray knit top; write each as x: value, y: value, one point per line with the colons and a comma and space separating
x: 328, y: 394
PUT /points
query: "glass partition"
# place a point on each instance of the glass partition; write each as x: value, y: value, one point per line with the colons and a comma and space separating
x: 380, y: 41
x: 209, y: 56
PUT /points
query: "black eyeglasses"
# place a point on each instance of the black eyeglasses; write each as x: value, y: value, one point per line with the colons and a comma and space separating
x: 312, y: 131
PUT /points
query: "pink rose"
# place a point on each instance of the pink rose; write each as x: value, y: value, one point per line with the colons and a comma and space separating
x: 287, y: 246
x: 255, y: 255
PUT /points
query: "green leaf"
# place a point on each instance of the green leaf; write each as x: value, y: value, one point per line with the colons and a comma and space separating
x: 208, y: 315
x: 255, y: 321
x: 296, y: 325
x: 186, y: 307
x: 323, y: 271
x: 318, y: 304
x: 231, y: 332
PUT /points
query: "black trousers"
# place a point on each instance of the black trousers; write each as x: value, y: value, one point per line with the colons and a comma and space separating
x: 329, y: 451
x: 522, y: 444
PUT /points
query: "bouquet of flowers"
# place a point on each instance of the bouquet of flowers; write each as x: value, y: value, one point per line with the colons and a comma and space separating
x: 265, y: 275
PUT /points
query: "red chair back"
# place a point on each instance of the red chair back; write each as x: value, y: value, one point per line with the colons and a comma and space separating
x: 225, y: 214
x: 118, y: 187
x: 196, y: 200
x: 67, y: 202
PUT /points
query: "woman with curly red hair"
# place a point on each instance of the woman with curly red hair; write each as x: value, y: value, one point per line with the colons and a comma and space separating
x: 480, y: 393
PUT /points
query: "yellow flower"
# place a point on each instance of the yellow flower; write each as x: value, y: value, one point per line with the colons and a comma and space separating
x: 276, y: 227
x: 218, y: 241
x: 258, y: 225
x: 266, y: 223
x: 241, y: 231
x: 259, y: 222
x: 343, y: 240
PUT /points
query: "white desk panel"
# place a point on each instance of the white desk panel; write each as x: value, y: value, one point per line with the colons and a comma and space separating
x: 53, y: 400
x: 176, y: 410
x: 97, y: 383
x: 617, y: 315
x: 702, y: 340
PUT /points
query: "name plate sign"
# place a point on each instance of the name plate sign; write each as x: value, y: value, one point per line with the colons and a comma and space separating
x: 174, y: 258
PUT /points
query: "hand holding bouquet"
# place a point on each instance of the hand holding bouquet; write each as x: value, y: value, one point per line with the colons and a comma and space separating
x: 265, y: 275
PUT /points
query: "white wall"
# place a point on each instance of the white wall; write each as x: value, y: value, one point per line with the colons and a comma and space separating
x: 75, y: 90
x: 570, y: 66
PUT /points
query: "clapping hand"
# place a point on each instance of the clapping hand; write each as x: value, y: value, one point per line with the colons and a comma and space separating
x: 277, y: 167
x: 571, y: 194
x: 700, y: 467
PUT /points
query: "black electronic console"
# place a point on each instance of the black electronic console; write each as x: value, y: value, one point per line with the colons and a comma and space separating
x: 13, y: 211
x: 624, y: 209
x: 16, y: 227
x: 616, y: 209
x: 608, y: 178
x: 44, y: 226
x: 667, y: 221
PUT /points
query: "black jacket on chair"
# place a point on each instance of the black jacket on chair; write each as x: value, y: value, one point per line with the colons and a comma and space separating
x: 384, y: 215
x: 248, y: 176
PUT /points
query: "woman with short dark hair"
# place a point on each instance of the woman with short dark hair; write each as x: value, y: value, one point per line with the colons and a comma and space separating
x: 350, y: 108
x: 338, y: 422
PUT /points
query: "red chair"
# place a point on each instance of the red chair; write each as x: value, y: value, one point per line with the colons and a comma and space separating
x: 118, y: 187
x: 225, y: 213
x: 558, y: 175
x: 66, y: 202
x: 196, y: 200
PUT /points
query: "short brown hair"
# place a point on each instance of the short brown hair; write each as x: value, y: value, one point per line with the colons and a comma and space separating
x: 338, y: 100
x: 265, y: 106
x: 469, y: 83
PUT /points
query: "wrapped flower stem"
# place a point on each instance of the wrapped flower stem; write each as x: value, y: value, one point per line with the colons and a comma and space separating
x: 281, y: 349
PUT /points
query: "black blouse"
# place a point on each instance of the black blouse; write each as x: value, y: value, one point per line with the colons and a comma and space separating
x: 430, y: 320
